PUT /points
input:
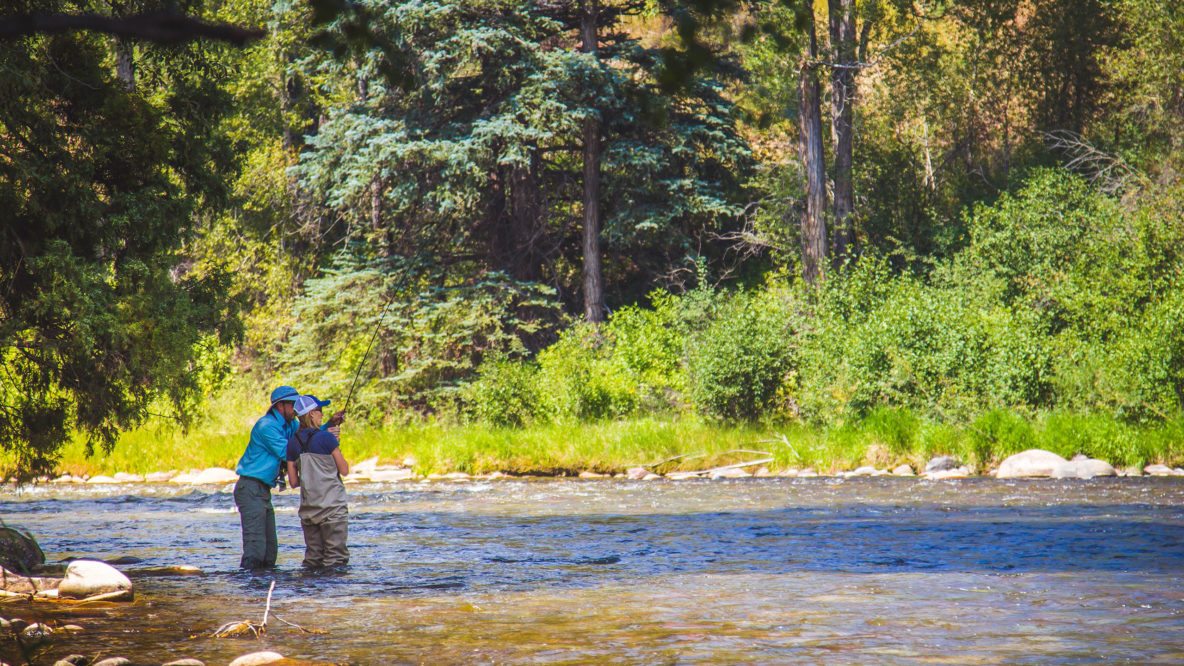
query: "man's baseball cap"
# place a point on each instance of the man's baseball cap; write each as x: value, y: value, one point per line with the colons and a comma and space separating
x: 307, y: 403
x: 284, y: 394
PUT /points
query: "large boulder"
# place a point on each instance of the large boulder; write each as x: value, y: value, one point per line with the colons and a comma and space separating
x: 1030, y: 463
x: 19, y: 551
x: 88, y: 578
x: 1086, y: 468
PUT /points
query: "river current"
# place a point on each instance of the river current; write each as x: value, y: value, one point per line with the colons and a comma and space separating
x: 755, y: 571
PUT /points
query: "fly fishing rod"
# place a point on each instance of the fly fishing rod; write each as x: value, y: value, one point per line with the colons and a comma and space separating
x: 362, y: 363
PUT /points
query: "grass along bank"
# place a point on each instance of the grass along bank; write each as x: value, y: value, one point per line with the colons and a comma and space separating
x: 885, y: 438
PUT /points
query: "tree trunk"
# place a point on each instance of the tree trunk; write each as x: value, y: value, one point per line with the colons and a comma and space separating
x: 810, y: 145
x: 842, y: 39
x: 125, y: 64
x: 593, y: 285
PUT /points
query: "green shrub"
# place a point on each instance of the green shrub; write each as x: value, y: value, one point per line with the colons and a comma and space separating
x: 580, y: 379
x: 738, y: 364
x: 505, y: 393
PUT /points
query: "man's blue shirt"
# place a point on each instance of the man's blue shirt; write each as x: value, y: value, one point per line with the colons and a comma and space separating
x: 268, y: 447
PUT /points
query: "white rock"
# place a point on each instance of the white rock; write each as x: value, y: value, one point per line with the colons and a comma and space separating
x: 866, y: 470
x: 185, y: 662
x: 365, y: 467
x: 124, y: 477
x: 410, y: 461
x: 113, y: 661
x: 1158, y: 470
x: 903, y: 470
x: 100, y: 480
x: 215, y: 475
x: 385, y: 475
x: 593, y: 475
x: 185, y: 477
x: 1030, y: 463
x: 257, y: 659
x: 651, y: 476
x: 636, y: 473
x: 734, y: 473
x: 86, y: 578
x: 762, y: 472
x: 1083, y: 469
x: 807, y: 473
x: 160, y: 477
x: 457, y: 476
x: 681, y: 476
x: 36, y: 632
x: 790, y: 473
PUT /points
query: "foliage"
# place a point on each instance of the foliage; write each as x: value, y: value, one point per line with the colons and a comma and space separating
x: 740, y: 361
x: 99, y: 318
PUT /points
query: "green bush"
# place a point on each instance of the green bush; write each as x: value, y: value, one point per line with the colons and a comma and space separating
x: 742, y: 359
x: 580, y: 378
x: 505, y: 393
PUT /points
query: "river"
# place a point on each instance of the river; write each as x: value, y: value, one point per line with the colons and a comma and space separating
x: 856, y: 571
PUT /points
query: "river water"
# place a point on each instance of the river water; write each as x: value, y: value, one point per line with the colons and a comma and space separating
x: 760, y: 571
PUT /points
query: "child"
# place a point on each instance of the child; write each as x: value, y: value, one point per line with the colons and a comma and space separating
x: 315, y: 465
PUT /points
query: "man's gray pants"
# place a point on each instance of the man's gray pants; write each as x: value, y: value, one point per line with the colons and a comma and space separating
x: 324, y: 543
x: 260, y: 545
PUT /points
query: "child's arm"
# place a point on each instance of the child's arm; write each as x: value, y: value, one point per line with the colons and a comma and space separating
x: 293, y: 475
x: 342, y: 466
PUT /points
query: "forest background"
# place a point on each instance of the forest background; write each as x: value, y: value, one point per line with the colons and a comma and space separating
x: 560, y: 235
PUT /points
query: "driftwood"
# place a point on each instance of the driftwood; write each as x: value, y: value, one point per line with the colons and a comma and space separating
x: 687, y: 456
x: 244, y: 627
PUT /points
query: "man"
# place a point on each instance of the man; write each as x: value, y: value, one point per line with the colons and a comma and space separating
x: 258, y: 471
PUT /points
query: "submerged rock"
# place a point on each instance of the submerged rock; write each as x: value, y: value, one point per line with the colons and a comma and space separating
x: 1030, y: 463
x: 1083, y: 468
x: 88, y: 578
x: 257, y: 659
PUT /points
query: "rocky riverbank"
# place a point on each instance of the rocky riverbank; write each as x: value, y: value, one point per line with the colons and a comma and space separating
x: 1034, y: 463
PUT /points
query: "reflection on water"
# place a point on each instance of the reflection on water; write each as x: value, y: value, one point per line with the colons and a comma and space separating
x: 878, y: 570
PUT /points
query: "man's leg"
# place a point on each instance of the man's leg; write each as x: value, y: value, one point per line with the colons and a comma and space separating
x: 273, y: 548
x: 335, y: 534
x: 314, y: 545
x: 252, y: 513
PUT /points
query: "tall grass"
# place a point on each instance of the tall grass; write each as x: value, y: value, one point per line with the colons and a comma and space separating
x: 885, y: 438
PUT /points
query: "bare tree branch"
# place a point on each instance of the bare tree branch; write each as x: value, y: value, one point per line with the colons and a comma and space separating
x: 162, y: 27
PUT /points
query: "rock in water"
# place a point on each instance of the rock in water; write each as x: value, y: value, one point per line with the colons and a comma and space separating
x: 185, y: 662
x: 113, y: 661
x: 941, y: 464
x: 257, y: 659
x: 903, y: 470
x: 1030, y: 463
x: 19, y: 552
x: 87, y: 578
